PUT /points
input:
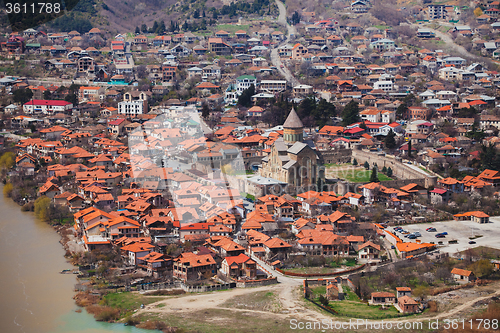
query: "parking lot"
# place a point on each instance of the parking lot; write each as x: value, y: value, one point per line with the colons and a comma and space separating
x: 457, y: 230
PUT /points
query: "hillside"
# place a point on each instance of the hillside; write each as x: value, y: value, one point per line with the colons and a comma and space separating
x: 121, y: 16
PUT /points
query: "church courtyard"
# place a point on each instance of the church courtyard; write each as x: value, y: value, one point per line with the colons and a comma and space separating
x: 352, y: 173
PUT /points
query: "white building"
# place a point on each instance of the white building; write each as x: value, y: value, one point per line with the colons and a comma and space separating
x: 244, y: 82
x: 272, y: 86
x: 130, y: 108
x: 211, y: 72
x: 46, y: 106
x: 384, y: 85
x: 388, y: 116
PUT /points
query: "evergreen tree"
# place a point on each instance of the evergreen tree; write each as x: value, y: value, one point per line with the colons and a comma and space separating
x: 196, y: 13
x: 161, y: 28
x: 384, y: 169
x: 154, y: 29
x: 409, y: 148
x: 137, y: 30
x: 389, y: 172
x: 373, y: 177
x: 205, y: 111
x: 402, y: 110
x: 214, y: 15
x: 22, y: 96
x: 144, y: 28
x: 355, y: 162
x: 71, y: 98
x: 489, y: 157
x: 203, y: 24
x: 47, y: 95
x: 203, y: 13
x: 323, y: 112
x: 366, y: 165
x: 350, y: 114
x: 295, y: 18
x: 320, y: 184
x: 245, y: 99
x: 173, y: 26
x: 390, y: 141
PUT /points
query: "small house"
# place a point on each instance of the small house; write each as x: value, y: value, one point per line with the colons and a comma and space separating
x: 462, y: 275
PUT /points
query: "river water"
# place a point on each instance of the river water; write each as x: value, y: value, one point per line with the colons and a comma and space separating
x: 34, y: 296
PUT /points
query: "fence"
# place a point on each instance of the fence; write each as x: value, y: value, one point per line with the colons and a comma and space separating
x: 158, y: 286
x: 202, y: 289
x: 324, y: 282
x: 256, y: 283
x: 321, y: 274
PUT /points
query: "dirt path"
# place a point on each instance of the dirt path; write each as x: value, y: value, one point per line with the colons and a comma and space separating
x: 197, y: 302
x: 289, y: 297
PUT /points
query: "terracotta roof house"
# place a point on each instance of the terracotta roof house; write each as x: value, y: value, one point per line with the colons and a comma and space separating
x: 383, y: 297
x: 462, y: 275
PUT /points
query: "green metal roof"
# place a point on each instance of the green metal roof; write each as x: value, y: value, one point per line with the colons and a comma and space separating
x: 249, y: 77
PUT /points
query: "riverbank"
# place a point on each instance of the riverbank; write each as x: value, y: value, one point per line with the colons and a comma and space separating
x: 36, y: 298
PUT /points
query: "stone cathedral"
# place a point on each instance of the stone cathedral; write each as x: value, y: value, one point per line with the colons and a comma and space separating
x: 291, y: 160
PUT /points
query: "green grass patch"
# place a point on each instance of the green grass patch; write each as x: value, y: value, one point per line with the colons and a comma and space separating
x: 312, y: 270
x: 364, y: 176
x: 424, y: 169
x: 349, y: 294
x: 232, y: 28
x: 127, y: 302
x: 248, y: 196
x: 382, y: 27
x: 319, y: 290
x: 362, y: 310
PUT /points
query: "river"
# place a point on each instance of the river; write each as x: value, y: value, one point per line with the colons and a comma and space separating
x: 35, y: 298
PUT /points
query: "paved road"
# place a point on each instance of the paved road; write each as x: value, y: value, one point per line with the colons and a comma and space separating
x: 448, y: 41
x: 282, y: 19
x: 275, y: 59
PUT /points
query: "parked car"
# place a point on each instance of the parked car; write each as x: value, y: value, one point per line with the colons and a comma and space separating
x: 444, y: 233
x: 417, y: 234
x: 440, y: 236
x: 412, y: 236
x: 431, y: 229
x: 472, y: 242
x: 393, y: 247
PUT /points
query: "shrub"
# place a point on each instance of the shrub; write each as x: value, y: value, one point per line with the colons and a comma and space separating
x: 103, y: 313
x: 28, y: 207
x: 42, y: 205
x: 323, y: 300
x: 131, y: 321
x: 7, y: 189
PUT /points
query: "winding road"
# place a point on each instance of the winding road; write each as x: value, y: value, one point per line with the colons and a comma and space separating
x: 275, y: 58
x: 446, y: 38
